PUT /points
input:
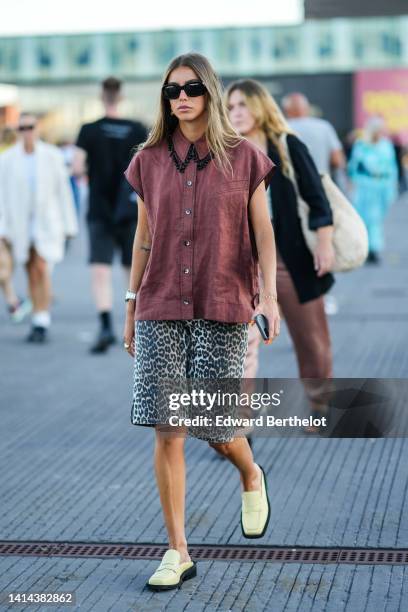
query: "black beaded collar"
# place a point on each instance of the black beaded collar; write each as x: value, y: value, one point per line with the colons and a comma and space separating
x: 191, y: 155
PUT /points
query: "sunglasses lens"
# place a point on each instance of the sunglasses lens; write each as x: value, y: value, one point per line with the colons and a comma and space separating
x: 195, y: 89
x: 171, y: 92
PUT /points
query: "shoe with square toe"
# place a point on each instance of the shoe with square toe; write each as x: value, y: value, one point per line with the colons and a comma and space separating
x: 255, y: 511
x: 171, y: 573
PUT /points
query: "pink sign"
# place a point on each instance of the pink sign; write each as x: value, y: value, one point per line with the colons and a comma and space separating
x: 384, y: 93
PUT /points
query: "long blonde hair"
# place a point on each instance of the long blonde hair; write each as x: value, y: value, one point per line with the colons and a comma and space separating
x: 266, y: 112
x: 219, y: 133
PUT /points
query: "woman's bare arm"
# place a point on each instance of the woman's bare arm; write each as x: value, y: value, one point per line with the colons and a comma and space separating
x: 140, y: 256
x: 265, y: 244
x: 141, y: 248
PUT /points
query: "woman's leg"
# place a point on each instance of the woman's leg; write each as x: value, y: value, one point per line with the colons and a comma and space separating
x: 252, y: 355
x: 171, y: 481
x: 375, y: 227
x: 9, y: 292
x: 6, y: 275
x: 309, y: 330
x: 160, y: 357
x: 218, y: 353
x: 239, y: 453
x: 39, y: 282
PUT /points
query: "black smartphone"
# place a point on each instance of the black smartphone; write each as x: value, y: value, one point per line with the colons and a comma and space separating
x: 263, y: 325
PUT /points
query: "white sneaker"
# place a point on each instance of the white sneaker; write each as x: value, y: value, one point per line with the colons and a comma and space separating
x: 21, y: 311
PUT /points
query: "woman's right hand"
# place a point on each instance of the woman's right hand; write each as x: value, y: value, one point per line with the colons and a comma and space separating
x: 129, y: 331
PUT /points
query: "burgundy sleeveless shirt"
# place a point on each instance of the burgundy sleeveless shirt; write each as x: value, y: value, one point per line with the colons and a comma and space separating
x: 203, y: 261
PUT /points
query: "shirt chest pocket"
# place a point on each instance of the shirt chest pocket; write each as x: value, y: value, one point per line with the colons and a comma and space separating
x: 231, y: 201
x: 229, y: 206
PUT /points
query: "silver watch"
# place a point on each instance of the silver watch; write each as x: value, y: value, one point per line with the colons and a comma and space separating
x: 130, y: 295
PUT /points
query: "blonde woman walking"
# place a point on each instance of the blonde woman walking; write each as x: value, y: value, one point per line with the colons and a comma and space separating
x: 201, y: 197
x: 302, y: 278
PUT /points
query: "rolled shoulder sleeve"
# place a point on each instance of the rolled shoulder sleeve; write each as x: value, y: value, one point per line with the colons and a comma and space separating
x: 133, y: 174
x: 261, y: 168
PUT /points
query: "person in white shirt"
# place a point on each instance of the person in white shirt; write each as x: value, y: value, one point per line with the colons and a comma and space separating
x: 318, y: 134
x: 37, y: 214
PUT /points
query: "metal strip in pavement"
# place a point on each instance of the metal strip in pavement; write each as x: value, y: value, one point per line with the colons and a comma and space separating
x: 146, y: 551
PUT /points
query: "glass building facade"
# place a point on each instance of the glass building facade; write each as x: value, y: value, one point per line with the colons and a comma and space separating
x: 316, y: 46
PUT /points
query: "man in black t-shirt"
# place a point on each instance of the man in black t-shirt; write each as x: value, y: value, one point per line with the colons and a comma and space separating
x: 104, y: 149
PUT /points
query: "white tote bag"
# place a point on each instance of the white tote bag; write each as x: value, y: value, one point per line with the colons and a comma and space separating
x: 350, y: 238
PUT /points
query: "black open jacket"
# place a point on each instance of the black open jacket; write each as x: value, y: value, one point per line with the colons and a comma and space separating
x: 286, y: 223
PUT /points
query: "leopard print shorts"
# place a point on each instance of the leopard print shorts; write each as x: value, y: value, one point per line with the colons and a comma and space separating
x: 178, y: 351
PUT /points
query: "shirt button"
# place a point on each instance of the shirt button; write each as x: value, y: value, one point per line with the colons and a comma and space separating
x: 186, y: 270
x: 188, y: 211
x: 186, y: 302
x: 187, y: 243
x: 189, y: 183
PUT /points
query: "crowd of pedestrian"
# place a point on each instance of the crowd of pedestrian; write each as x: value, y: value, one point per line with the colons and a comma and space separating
x: 40, y: 203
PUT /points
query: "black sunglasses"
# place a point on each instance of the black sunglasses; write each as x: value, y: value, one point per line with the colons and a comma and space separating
x: 25, y: 128
x: 192, y: 88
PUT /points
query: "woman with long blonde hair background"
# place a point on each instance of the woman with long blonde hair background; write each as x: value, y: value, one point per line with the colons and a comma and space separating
x: 302, y: 278
x: 194, y: 285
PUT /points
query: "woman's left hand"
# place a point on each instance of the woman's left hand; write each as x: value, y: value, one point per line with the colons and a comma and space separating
x: 270, y: 309
x: 324, y: 257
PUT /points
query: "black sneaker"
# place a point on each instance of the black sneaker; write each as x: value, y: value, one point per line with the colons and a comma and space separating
x: 38, y: 335
x: 104, y: 340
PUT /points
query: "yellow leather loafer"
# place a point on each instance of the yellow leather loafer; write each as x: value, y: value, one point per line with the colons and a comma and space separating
x: 255, y: 511
x: 171, y: 573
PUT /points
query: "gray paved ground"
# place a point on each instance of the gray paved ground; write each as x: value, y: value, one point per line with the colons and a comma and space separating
x: 74, y: 468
